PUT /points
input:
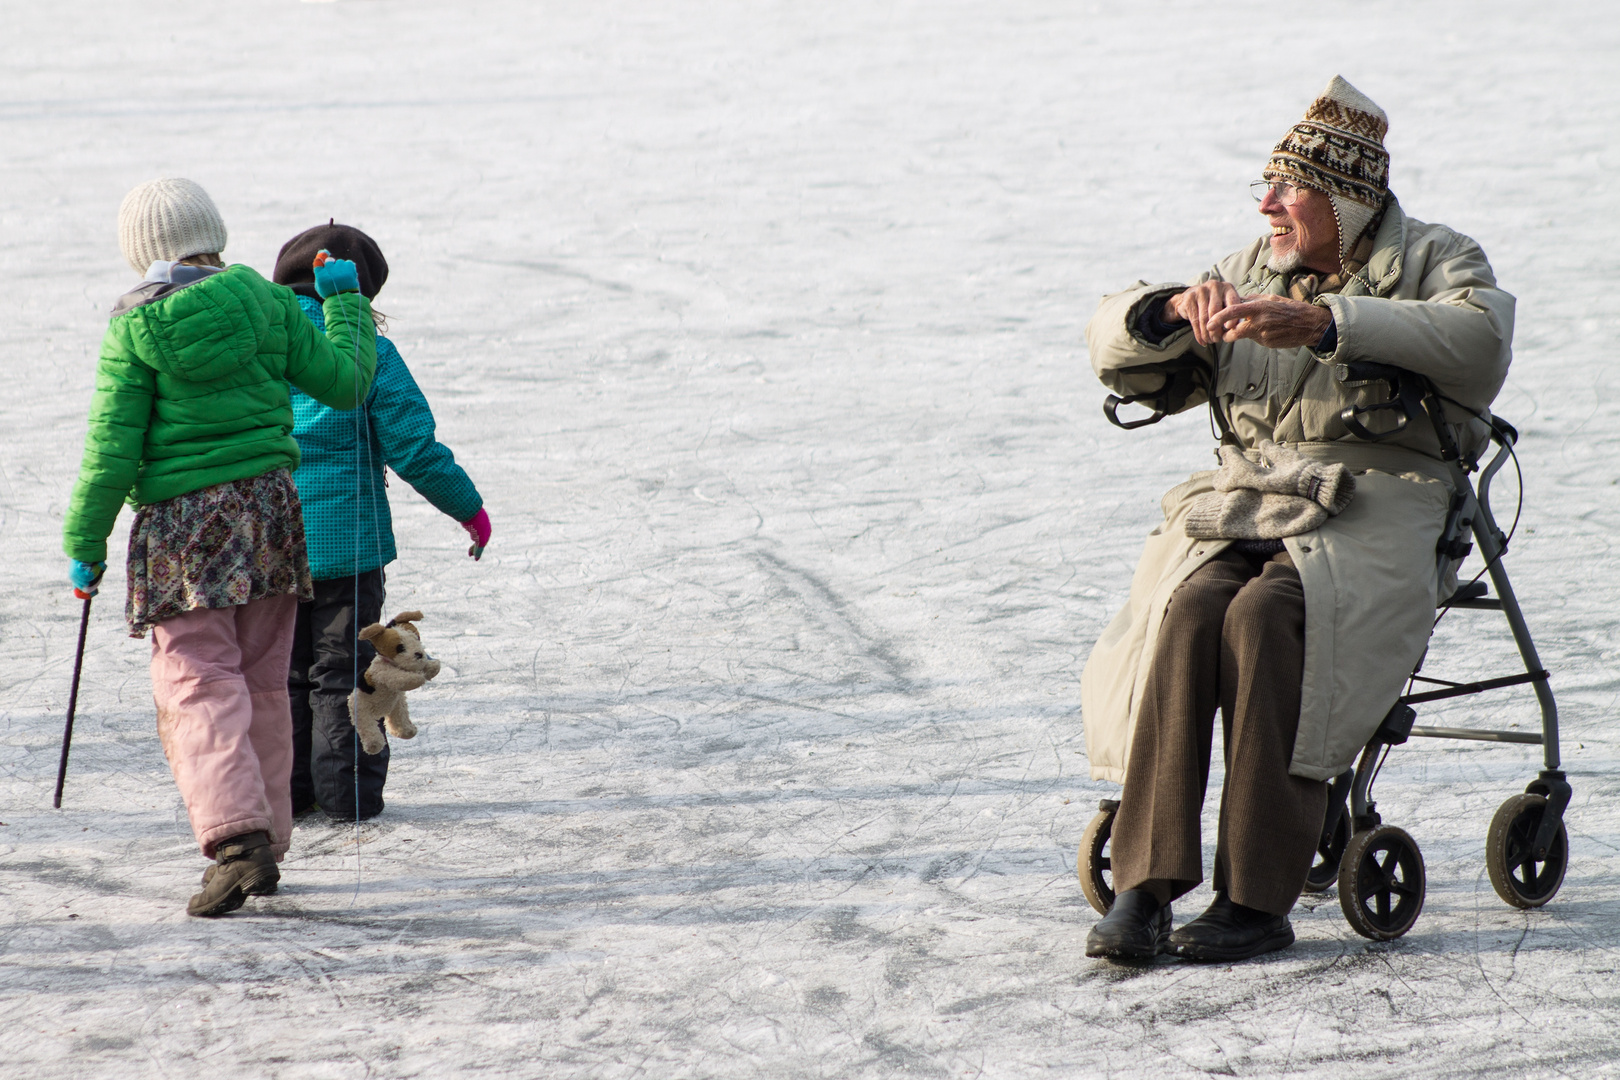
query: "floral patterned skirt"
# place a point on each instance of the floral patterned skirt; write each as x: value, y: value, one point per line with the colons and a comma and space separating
x: 218, y: 547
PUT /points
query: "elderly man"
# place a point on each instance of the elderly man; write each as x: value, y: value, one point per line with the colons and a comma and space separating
x: 1293, y: 589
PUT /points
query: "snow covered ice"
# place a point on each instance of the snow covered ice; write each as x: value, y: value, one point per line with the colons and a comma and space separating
x: 757, y: 750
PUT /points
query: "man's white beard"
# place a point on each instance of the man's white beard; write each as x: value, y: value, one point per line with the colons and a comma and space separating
x: 1287, y: 262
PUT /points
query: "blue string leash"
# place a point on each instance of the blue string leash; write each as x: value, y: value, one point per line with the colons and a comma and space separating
x: 362, y: 429
x: 362, y: 432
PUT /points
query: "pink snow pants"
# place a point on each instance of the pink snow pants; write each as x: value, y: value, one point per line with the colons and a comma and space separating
x: 219, y: 677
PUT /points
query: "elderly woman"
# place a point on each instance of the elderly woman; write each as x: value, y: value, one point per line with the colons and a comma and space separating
x: 1292, y: 590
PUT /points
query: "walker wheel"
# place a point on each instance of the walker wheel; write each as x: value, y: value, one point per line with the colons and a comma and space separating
x: 1522, y: 877
x: 1329, y: 854
x: 1094, y: 864
x: 1381, y: 883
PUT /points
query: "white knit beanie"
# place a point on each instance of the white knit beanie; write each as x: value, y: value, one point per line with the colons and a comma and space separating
x: 168, y: 219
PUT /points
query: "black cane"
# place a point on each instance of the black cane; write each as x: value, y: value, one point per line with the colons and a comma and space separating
x: 73, y: 699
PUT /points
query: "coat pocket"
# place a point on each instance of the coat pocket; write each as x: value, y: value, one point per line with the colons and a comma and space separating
x: 1245, y: 375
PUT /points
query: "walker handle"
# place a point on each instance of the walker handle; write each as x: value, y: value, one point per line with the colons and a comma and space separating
x: 1114, y: 401
x: 1406, y: 398
x: 1183, y: 377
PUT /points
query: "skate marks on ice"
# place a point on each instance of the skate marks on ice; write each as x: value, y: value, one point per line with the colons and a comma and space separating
x: 867, y: 986
x: 576, y: 928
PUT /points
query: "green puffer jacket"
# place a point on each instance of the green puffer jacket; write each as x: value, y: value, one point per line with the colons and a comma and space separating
x: 191, y: 391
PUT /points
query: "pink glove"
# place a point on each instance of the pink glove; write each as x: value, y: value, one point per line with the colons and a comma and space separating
x: 477, y: 527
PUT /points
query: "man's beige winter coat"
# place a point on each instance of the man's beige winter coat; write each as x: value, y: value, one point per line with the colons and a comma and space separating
x: 1427, y: 302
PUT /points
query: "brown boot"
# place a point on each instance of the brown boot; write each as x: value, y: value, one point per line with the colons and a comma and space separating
x: 243, y: 867
x: 263, y: 888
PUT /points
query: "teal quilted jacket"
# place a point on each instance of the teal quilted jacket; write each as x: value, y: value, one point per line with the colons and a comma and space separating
x: 347, y: 523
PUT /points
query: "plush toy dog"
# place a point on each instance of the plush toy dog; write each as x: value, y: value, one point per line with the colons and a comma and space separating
x: 401, y: 664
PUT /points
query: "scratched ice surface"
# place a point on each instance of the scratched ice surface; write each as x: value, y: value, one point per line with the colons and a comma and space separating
x: 756, y: 751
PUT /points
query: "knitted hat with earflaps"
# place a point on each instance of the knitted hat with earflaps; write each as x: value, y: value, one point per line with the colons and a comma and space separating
x: 168, y: 220
x: 1338, y: 149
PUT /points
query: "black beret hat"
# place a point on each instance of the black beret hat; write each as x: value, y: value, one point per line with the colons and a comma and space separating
x: 295, y: 263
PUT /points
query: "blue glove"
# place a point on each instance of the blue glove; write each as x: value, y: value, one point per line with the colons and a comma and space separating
x: 333, y: 276
x: 86, y: 576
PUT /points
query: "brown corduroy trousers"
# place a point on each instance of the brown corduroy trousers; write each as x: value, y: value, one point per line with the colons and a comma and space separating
x: 1233, y: 639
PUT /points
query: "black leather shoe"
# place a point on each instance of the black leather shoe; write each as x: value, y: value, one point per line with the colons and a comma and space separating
x: 1136, y: 928
x: 1228, y: 931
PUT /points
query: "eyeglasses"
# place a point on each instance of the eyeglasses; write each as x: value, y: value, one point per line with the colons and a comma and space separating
x: 1286, y: 192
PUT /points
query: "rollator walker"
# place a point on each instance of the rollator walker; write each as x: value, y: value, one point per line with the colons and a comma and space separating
x: 1378, y: 867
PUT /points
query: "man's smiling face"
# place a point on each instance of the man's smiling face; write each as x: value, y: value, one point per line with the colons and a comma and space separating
x: 1304, y: 233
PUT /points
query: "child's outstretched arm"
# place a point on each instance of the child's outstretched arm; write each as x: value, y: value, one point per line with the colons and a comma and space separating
x: 405, y: 430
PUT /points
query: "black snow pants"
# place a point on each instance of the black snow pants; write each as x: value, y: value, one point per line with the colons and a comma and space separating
x: 326, y: 654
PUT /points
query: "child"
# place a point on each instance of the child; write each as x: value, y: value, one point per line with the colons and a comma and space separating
x: 351, y: 535
x: 190, y: 422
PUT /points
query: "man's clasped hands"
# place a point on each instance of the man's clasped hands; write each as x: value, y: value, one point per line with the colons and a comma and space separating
x: 1218, y: 313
